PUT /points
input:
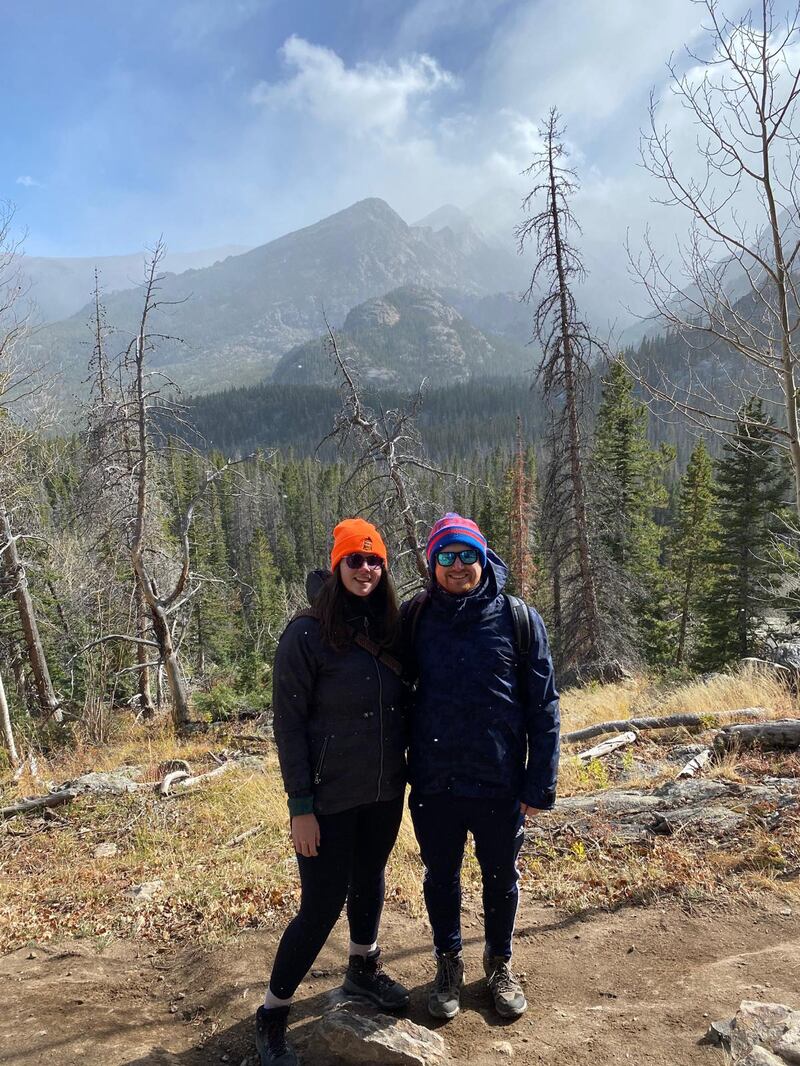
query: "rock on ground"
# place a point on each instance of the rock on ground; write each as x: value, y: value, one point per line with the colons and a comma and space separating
x: 759, y: 1056
x: 788, y: 1047
x: 345, y: 1035
x: 758, y: 1030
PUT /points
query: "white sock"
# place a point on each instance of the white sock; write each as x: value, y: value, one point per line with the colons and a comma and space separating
x: 362, y: 949
x: 271, y: 1000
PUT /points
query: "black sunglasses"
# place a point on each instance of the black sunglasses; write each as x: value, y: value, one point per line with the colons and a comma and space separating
x: 468, y: 556
x: 357, y: 559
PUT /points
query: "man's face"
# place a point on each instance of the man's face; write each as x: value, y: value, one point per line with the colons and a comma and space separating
x: 460, y: 578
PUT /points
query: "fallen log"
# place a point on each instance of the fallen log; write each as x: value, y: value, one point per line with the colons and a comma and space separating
x: 170, y: 779
x: 781, y: 735
x: 55, y: 799
x: 670, y: 721
x: 599, y: 751
x: 182, y: 781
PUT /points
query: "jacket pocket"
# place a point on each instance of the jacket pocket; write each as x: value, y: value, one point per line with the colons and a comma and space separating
x: 321, y: 761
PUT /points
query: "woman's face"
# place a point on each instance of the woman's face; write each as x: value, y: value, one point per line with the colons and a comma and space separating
x: 361, y: 580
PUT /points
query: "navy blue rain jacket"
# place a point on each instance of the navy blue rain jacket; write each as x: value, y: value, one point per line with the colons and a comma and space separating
x: 476, y: 730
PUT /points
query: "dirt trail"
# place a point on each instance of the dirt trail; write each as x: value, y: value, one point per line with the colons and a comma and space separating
x: 593, y: 1000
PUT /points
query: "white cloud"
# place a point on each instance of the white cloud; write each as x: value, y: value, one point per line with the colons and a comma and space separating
x: 372, y: 98
x: 29, y: 182
x: 588, y: 59
x: 427, y: 18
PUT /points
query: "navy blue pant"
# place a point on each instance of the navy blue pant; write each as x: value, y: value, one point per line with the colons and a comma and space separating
x: 441, y: 823
x: 349, y: 865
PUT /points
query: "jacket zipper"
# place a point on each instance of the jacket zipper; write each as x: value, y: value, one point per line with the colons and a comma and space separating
x: 380, y: 712
x: 320, y: 761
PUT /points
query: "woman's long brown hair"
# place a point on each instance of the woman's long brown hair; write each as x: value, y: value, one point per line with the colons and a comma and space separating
x: 331, y: 608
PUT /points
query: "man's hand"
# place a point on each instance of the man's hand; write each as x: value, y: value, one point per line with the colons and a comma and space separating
x: 526, y: 810
x: 305, y: 834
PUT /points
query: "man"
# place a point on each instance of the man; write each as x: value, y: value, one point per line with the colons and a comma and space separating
x: 483, y: 752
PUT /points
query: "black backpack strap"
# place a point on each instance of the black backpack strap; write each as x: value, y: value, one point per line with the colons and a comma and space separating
x: 413, y: 612
x: 522, y: 639
x: 522, y: 625
x: 378, y: 652
x: 362, y: 640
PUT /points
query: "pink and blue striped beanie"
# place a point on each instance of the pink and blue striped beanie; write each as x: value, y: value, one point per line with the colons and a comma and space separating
x: 451, y: 528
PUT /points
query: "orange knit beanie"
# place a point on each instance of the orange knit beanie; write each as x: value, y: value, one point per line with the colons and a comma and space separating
x: 356, y: 535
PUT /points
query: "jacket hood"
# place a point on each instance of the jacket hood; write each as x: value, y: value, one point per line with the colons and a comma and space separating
x: 314, y: 582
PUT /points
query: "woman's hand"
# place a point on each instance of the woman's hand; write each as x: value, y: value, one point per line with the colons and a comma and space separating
x: 526, y: 811
x: 305, y: 834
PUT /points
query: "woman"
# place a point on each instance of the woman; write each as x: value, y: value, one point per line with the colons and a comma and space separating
x: 338, y: 717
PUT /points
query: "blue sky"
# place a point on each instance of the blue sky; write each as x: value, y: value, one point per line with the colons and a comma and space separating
x: 232, y: 122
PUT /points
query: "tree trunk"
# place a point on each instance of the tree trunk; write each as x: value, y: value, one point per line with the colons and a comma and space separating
x: 145, y: 698
x: 177, y: 687
x: 5, y: 723
x: 47, y: 700
x: 769, y: 736
x: 687, y: 591
x: 669, y: 721
x: 18, y: 670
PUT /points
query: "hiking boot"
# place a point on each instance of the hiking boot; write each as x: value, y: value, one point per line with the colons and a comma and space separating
x: 271, y: 1037
x: 444, y: 999
x: 509, y: 999
x: 365, y: 977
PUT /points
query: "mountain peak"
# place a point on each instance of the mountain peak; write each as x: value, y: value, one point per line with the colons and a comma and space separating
x: 449, y: 216
x: 373, y: 209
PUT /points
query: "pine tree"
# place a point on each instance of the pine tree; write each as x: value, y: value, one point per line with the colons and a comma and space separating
x: 691, y: 544
x: 628, y: 488
x: 753, y: 488
x: 266, y: 601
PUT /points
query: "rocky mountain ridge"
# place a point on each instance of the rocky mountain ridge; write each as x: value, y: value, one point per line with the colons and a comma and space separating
x: 236, y: 318
x: 403, y: 337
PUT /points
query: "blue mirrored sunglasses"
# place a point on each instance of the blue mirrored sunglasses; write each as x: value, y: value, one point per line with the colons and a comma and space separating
x: 468, y: 556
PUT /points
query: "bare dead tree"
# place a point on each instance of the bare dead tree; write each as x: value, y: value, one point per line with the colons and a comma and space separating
x: 160, y: 606
x: 735, y: 290
x: 17, y: 384
x: 14, y: 569
x: 566, y: 345
x: 387, y: 448
x: 107, y: 503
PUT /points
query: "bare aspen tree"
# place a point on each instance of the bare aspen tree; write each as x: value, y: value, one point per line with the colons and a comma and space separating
x: 388, y: 449
x: 566, y: 345
x: 5, y: 724
x: 735, y: 290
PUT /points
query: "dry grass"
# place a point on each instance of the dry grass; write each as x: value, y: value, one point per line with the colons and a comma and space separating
x: 748, y: 687
x: 53, y: 886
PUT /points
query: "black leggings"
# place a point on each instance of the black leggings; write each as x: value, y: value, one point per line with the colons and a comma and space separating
x: 354, y: 847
